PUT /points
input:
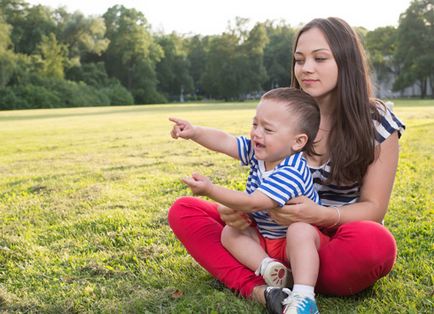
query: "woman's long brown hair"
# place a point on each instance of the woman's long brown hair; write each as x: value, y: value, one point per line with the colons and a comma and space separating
x: 351, y: 141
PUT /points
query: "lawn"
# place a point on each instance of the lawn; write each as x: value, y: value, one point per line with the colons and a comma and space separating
x: 84, y: 194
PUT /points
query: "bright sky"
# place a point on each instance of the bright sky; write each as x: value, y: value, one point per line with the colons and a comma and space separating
x: 211, y: 17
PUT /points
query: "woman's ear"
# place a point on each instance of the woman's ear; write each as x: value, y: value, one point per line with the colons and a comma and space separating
x: 300, y: 142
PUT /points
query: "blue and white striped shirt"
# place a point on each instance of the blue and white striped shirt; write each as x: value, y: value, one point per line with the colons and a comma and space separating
x: 289, y: 179
x: 340, y: 195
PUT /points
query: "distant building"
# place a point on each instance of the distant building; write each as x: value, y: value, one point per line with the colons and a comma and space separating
x: 383, y: 89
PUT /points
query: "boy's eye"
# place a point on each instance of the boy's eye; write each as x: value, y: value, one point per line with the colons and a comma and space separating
x: 268, y: 130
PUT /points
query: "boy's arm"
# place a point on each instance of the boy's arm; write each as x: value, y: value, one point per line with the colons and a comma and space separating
x: 212, y: 139
x: 201, y: 185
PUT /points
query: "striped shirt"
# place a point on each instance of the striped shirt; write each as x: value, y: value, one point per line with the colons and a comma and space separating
x: 289, y: 179
x: 339, y: 195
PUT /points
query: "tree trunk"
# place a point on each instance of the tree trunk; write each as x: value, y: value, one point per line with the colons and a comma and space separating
x: 423, y: 85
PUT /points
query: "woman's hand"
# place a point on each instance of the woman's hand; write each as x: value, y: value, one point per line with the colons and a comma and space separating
x: 297, y: 209
x: 234, y: 218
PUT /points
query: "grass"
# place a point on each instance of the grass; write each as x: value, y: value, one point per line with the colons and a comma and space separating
x: 84, y: 195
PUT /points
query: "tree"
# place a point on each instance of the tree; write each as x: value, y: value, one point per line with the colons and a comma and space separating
x: 174, y: 78
x: 29, y: 24
x: 381, y: 48
x: 278, y: 55
x: 222, y: 77
x: 15, y: 12
x: 415, y: 46
x: 132, y: 53
x: 253, y: 51
x: 53, y: 56
x: 197, y: 56
x: 7, y: 59
x: 82, y: 35
x: 234, y: 66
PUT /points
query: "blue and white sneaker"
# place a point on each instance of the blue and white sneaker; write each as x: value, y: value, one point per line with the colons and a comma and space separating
x: 297, y: 303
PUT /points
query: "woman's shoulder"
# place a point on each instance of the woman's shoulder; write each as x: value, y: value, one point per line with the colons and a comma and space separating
x: 385, y: 121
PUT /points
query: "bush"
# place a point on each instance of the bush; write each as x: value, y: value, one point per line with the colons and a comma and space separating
x: 118, y: 95
x: 26, y: 97
x: 8, y: 100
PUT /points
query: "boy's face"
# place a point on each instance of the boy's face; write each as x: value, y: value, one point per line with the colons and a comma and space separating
x: 274, y: 132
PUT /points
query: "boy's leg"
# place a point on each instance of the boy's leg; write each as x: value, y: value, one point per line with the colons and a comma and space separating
x: 250, y: 248
x: 244, y: 245
x: 302, y: 242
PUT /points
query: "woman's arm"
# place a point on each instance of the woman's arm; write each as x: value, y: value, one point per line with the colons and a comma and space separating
x: 377, y: 185
x: 374, y: 195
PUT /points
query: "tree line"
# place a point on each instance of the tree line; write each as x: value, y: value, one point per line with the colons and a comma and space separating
x: 54, y: 58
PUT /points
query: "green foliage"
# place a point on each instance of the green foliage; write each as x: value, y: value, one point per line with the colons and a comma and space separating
x: 29, y: 24
x: 53, y: 57
x: 173, y: 69
x: 7, y: 67
x: 278, y: 55
x: 117, y: 94
x: 234, y: 65
x: 56, y: 93
x: 82, y: 35
x: 416, y: 45
x: 5, y: 30
x: 93, y: 74
x: 381, y: 47
x: 197, y: 58
x: 242, y: 62
x: 132, y: 53
x: 84, y: 194
x: 27, y: 96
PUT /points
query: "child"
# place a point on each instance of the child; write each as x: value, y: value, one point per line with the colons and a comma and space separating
x: 286, y: 123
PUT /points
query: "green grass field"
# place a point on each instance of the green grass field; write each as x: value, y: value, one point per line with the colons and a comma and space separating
x: 84, y: 195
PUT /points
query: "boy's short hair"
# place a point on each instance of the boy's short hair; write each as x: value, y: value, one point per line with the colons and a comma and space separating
x: 304, y: 106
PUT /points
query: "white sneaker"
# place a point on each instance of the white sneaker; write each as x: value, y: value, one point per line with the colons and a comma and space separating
x: 275, y: 274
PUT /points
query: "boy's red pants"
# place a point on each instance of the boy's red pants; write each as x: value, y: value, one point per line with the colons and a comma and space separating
x: 357, y: 255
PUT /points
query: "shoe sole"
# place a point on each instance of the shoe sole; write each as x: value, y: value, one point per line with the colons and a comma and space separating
x: 276, y: 275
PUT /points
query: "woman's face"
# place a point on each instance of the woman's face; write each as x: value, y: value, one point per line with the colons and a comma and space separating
x: 315, y: 67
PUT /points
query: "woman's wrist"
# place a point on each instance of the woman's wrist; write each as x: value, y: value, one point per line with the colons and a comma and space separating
x: 338, y: 218
x: 331, y: 217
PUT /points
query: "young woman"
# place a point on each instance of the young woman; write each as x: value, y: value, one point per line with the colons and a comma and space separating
x: 358, y: 146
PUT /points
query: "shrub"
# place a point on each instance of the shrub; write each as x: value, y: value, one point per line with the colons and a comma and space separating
x: 118, y: 95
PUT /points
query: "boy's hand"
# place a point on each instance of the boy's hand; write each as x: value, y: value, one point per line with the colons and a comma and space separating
x: 199, y: 184
x: 182, y: 129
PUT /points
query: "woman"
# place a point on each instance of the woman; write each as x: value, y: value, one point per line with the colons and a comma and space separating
x: 354, y: 173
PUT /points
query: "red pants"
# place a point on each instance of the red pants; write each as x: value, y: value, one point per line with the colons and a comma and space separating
x: 357, y: 255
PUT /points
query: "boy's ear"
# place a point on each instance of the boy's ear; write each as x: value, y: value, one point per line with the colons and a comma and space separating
x: 300, y: 142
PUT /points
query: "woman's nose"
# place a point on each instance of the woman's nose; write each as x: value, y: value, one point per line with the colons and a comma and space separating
x: 308, y: 65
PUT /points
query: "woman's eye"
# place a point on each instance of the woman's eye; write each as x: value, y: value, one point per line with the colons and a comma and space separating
x: 298, y: 61
x: 320, y: 59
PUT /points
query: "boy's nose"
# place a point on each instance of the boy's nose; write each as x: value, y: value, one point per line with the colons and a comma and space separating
x: 256, y: 133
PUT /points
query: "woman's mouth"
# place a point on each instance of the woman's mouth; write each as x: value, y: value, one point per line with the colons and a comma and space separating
x: 308, y: 82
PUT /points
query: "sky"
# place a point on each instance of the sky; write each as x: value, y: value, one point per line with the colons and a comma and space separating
x: 212, y: 17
